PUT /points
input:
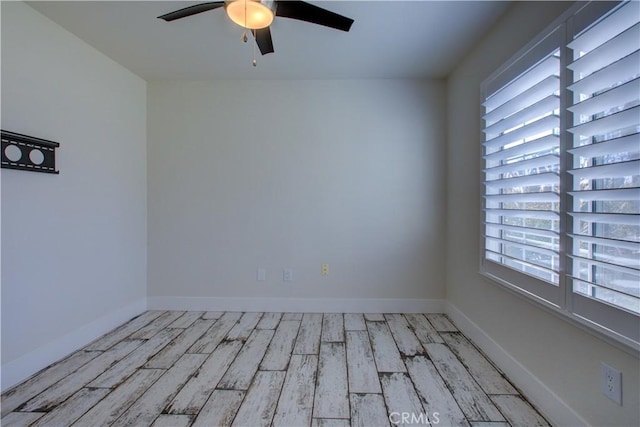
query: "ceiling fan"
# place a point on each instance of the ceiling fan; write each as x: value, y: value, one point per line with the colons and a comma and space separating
x: 257, y: 15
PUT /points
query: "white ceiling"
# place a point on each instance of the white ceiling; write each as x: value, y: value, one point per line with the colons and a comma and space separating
x: 389, y: 39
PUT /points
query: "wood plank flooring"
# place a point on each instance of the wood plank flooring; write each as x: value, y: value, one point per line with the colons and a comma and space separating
x: 178, y: 368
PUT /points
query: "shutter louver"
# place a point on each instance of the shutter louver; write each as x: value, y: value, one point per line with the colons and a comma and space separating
x: 604, y: 246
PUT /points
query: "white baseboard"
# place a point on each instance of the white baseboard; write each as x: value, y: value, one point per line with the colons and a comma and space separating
x: 306, y: 305
x: 22, y: 368
x: 545, y: 400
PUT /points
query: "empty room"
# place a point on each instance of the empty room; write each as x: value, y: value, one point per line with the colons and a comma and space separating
x: 324, y: 213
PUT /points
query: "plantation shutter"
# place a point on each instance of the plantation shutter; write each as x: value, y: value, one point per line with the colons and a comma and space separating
x: 604, y: 143
x: 561, y: 170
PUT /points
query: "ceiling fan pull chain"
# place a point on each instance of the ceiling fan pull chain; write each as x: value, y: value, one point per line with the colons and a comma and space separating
x: 255, y: 42
x: 244, y: 36
x: 254, y: 62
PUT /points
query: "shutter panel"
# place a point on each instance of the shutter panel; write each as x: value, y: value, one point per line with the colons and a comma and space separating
x: 521, y: 167
x: 604, y: 246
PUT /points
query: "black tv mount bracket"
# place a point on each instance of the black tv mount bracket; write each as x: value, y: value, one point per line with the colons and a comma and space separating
x: 28, y: 153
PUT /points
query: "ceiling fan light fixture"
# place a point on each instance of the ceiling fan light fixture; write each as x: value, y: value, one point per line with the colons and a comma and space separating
x: 252, y: 14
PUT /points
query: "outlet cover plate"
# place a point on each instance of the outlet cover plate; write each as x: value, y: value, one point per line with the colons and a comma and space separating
x: 611, y: 381
x: 325, y: 269
x: 287, y: 275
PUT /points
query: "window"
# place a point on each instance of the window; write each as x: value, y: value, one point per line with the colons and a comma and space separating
x: 561, y: 175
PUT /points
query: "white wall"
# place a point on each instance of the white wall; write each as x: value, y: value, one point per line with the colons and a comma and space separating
x: 293, y: 174
x: 74, y: 244
x: 565, y: 358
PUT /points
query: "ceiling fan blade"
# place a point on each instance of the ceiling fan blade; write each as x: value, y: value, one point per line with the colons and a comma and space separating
x: 263, y: 39
x: 304, y: 11
x: 191, y: 10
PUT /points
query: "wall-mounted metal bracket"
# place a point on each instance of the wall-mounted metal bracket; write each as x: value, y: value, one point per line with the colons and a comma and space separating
x: 28, y: 153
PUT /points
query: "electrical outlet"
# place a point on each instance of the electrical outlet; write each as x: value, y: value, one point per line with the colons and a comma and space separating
x: 611, y: 380
x: 287, y: 275
x: 261, y: 275
x: 325, y: 269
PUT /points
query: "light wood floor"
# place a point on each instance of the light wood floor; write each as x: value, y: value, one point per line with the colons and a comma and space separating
x: 251, y: 369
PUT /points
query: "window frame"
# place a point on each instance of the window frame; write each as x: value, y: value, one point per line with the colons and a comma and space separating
x: 559, y: 300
